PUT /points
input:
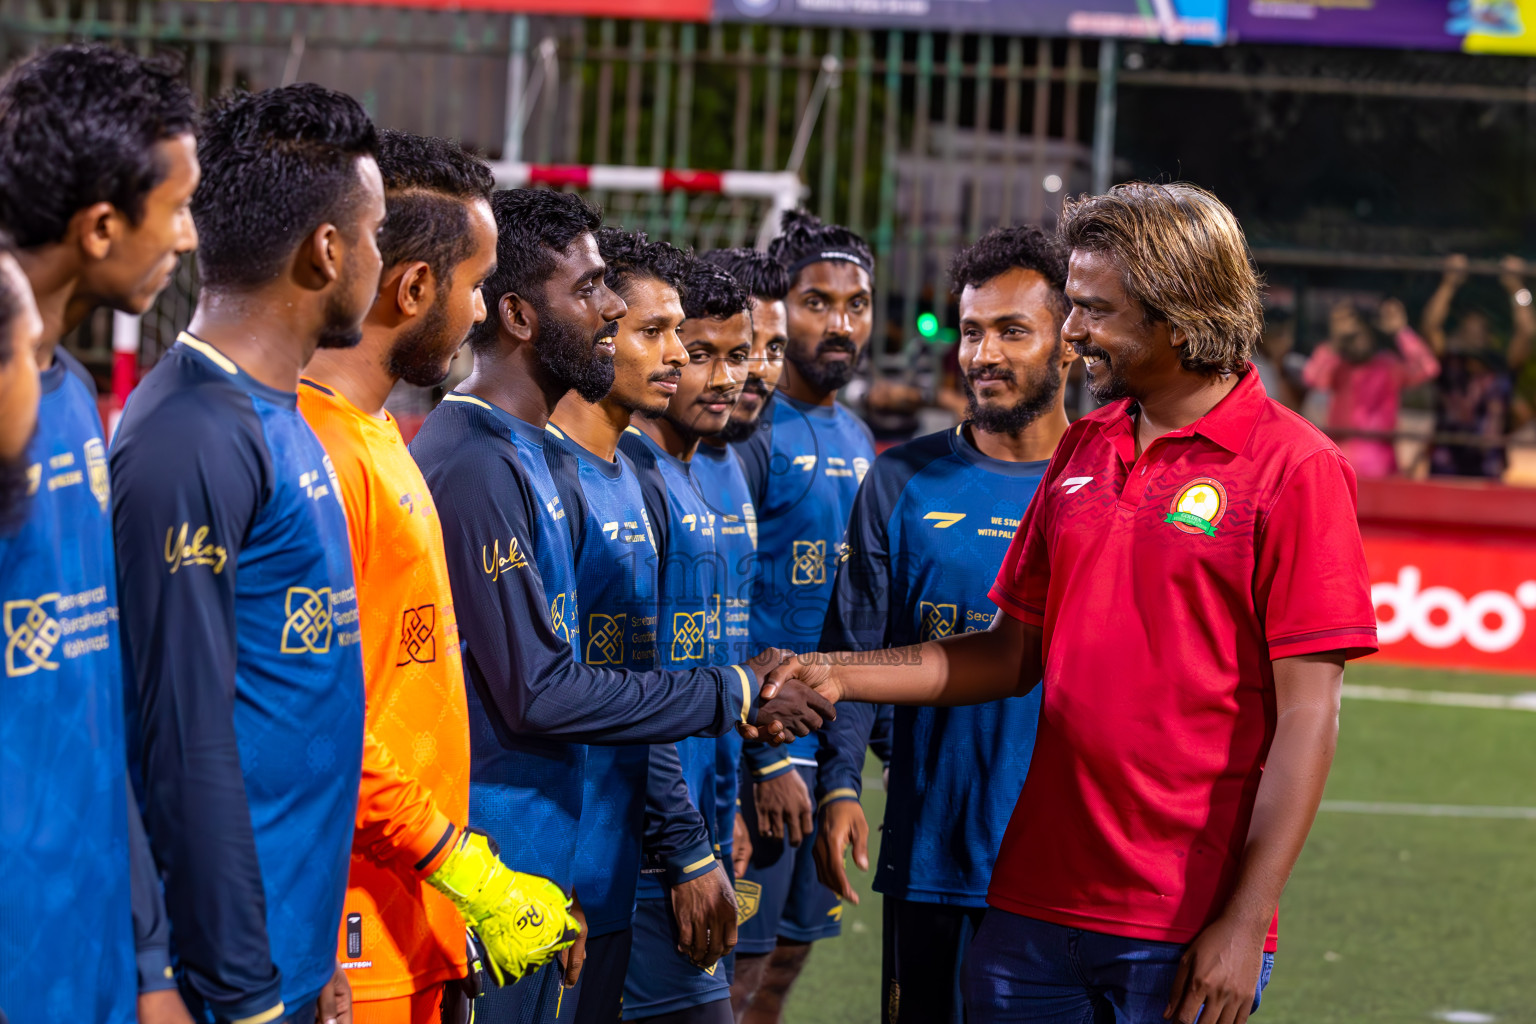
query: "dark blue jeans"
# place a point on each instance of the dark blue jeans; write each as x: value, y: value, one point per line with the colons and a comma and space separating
x: 1021, y: 969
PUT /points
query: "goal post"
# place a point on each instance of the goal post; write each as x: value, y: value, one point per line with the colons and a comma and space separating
x: 780, y: 190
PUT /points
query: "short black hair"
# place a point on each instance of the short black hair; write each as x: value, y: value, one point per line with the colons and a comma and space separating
x: 532, y: 225
x: 804, y: 237
x: 78, y: 125
x: 427, y: 181
x: 631, y: 255
x: 1003, y: 249
x: 710, y: 291
x: 763, y: 277
x: 276, y: 165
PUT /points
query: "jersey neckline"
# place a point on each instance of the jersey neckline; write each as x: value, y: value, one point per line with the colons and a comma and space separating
x: 962, y: 447
x: 201, y: 350
x: 612, y: 470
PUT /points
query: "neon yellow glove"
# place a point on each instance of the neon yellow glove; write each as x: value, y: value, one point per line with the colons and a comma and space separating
x: 521, y: 919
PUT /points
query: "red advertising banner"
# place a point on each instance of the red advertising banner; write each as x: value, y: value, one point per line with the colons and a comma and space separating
x: 1453, y: 574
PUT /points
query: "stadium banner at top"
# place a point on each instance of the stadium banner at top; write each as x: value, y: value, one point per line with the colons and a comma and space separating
x: 1472, y: 26
x: 1186, y: 21
x: 660, y: 10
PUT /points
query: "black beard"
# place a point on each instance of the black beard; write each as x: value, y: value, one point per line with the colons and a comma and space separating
x: 414, y: 356
x: 341, y: 330
x: 737, y: 431
x: 825, y: 377
x: 570, y: 356
x: 1012, y: 420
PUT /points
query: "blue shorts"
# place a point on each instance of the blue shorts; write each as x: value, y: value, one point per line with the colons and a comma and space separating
x: 598, y: 995
x: 780, y: 896
x: 540, y: 998
x: 660, y: 979
x: 1021, y: 969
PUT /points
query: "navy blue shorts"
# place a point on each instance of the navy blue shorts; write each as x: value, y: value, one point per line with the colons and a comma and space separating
x: 598, y: 995
x: 540, y: 998
x: 661, y: 980
x: 1024, y: 970
x: 924, y: 945
x: 780, y: 896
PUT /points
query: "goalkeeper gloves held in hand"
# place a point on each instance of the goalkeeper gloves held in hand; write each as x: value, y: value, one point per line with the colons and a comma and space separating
x: 522, y: 920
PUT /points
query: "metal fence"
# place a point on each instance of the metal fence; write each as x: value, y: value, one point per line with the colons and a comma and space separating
x: 922, y: 141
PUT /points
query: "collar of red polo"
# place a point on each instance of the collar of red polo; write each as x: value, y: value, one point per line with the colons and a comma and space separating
x: 1228, y: 424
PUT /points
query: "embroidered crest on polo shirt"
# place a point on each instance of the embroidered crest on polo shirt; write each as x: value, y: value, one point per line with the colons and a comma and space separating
x: 1198, y: 506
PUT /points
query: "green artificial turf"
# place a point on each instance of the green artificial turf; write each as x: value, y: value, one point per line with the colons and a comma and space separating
x: 1388, y: 918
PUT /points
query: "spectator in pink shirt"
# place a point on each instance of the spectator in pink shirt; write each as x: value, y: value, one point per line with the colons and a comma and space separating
x: 1366, y: 370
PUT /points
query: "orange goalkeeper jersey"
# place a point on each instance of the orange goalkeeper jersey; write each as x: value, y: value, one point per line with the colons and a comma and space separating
x: 398, y: 935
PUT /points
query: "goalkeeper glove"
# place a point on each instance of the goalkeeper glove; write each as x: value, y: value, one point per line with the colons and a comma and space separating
x: 521, y: 919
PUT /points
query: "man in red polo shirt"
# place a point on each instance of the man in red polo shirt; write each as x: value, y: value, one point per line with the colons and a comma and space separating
x: 1188, y: 583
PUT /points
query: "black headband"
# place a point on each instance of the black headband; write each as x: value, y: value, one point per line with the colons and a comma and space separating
x: 830, y: 255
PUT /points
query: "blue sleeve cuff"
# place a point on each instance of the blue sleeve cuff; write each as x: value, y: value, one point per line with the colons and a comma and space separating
x: 155, y: 973
x: 264, y: 1008
x: 742, y: 688
x: 764, y: 762
x: 686, y: 865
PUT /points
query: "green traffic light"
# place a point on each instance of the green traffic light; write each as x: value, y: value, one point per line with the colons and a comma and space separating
x: 927, y: 325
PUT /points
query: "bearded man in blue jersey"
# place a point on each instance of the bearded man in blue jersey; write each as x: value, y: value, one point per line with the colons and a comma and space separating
x: 97, y: 165
x: 239, y: 605
x: 930, y: 526
x: 534, y: 705
x: 803, y: 465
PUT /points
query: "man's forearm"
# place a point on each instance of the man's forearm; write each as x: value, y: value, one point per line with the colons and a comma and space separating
x: 1286, y: 803
x: 972, y: 668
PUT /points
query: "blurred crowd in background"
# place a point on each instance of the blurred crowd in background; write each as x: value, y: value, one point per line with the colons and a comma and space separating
x: 1445, y: 388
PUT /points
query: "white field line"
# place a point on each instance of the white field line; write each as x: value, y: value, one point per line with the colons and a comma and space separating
x: 1442, y: 698
x: 1429, y: 810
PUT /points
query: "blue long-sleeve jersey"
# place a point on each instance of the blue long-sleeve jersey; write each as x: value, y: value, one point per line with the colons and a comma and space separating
x: 929, y: 529
x: 533, y: 704
x: 723, y: 483
x: 616, y: 589
x: 241, y: 627
x: 692, y: 628
x: 803, y: 467
x: 64, y: 841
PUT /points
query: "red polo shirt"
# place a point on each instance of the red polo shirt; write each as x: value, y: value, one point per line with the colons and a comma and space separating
x: 1165, y: 586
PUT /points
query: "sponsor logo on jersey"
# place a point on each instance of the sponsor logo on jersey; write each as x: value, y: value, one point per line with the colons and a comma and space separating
x: 809, y: 567
x: 944, y: 520
x: 749, y: 896
x: 313, y: 485
x: 1198, y: 506
x: 180, y: 553
x: 805, y: 462
x: 712, y: 616
x: 32, y: 631
x: 1073, y: 484
x: 96, y: 471
x: 687, y: 635
x: 938, y: 620
x: 495, y: 563
x: 418, y: 635
x: 605, y: 639
x: 557, y: 618
x: 307, y: 630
